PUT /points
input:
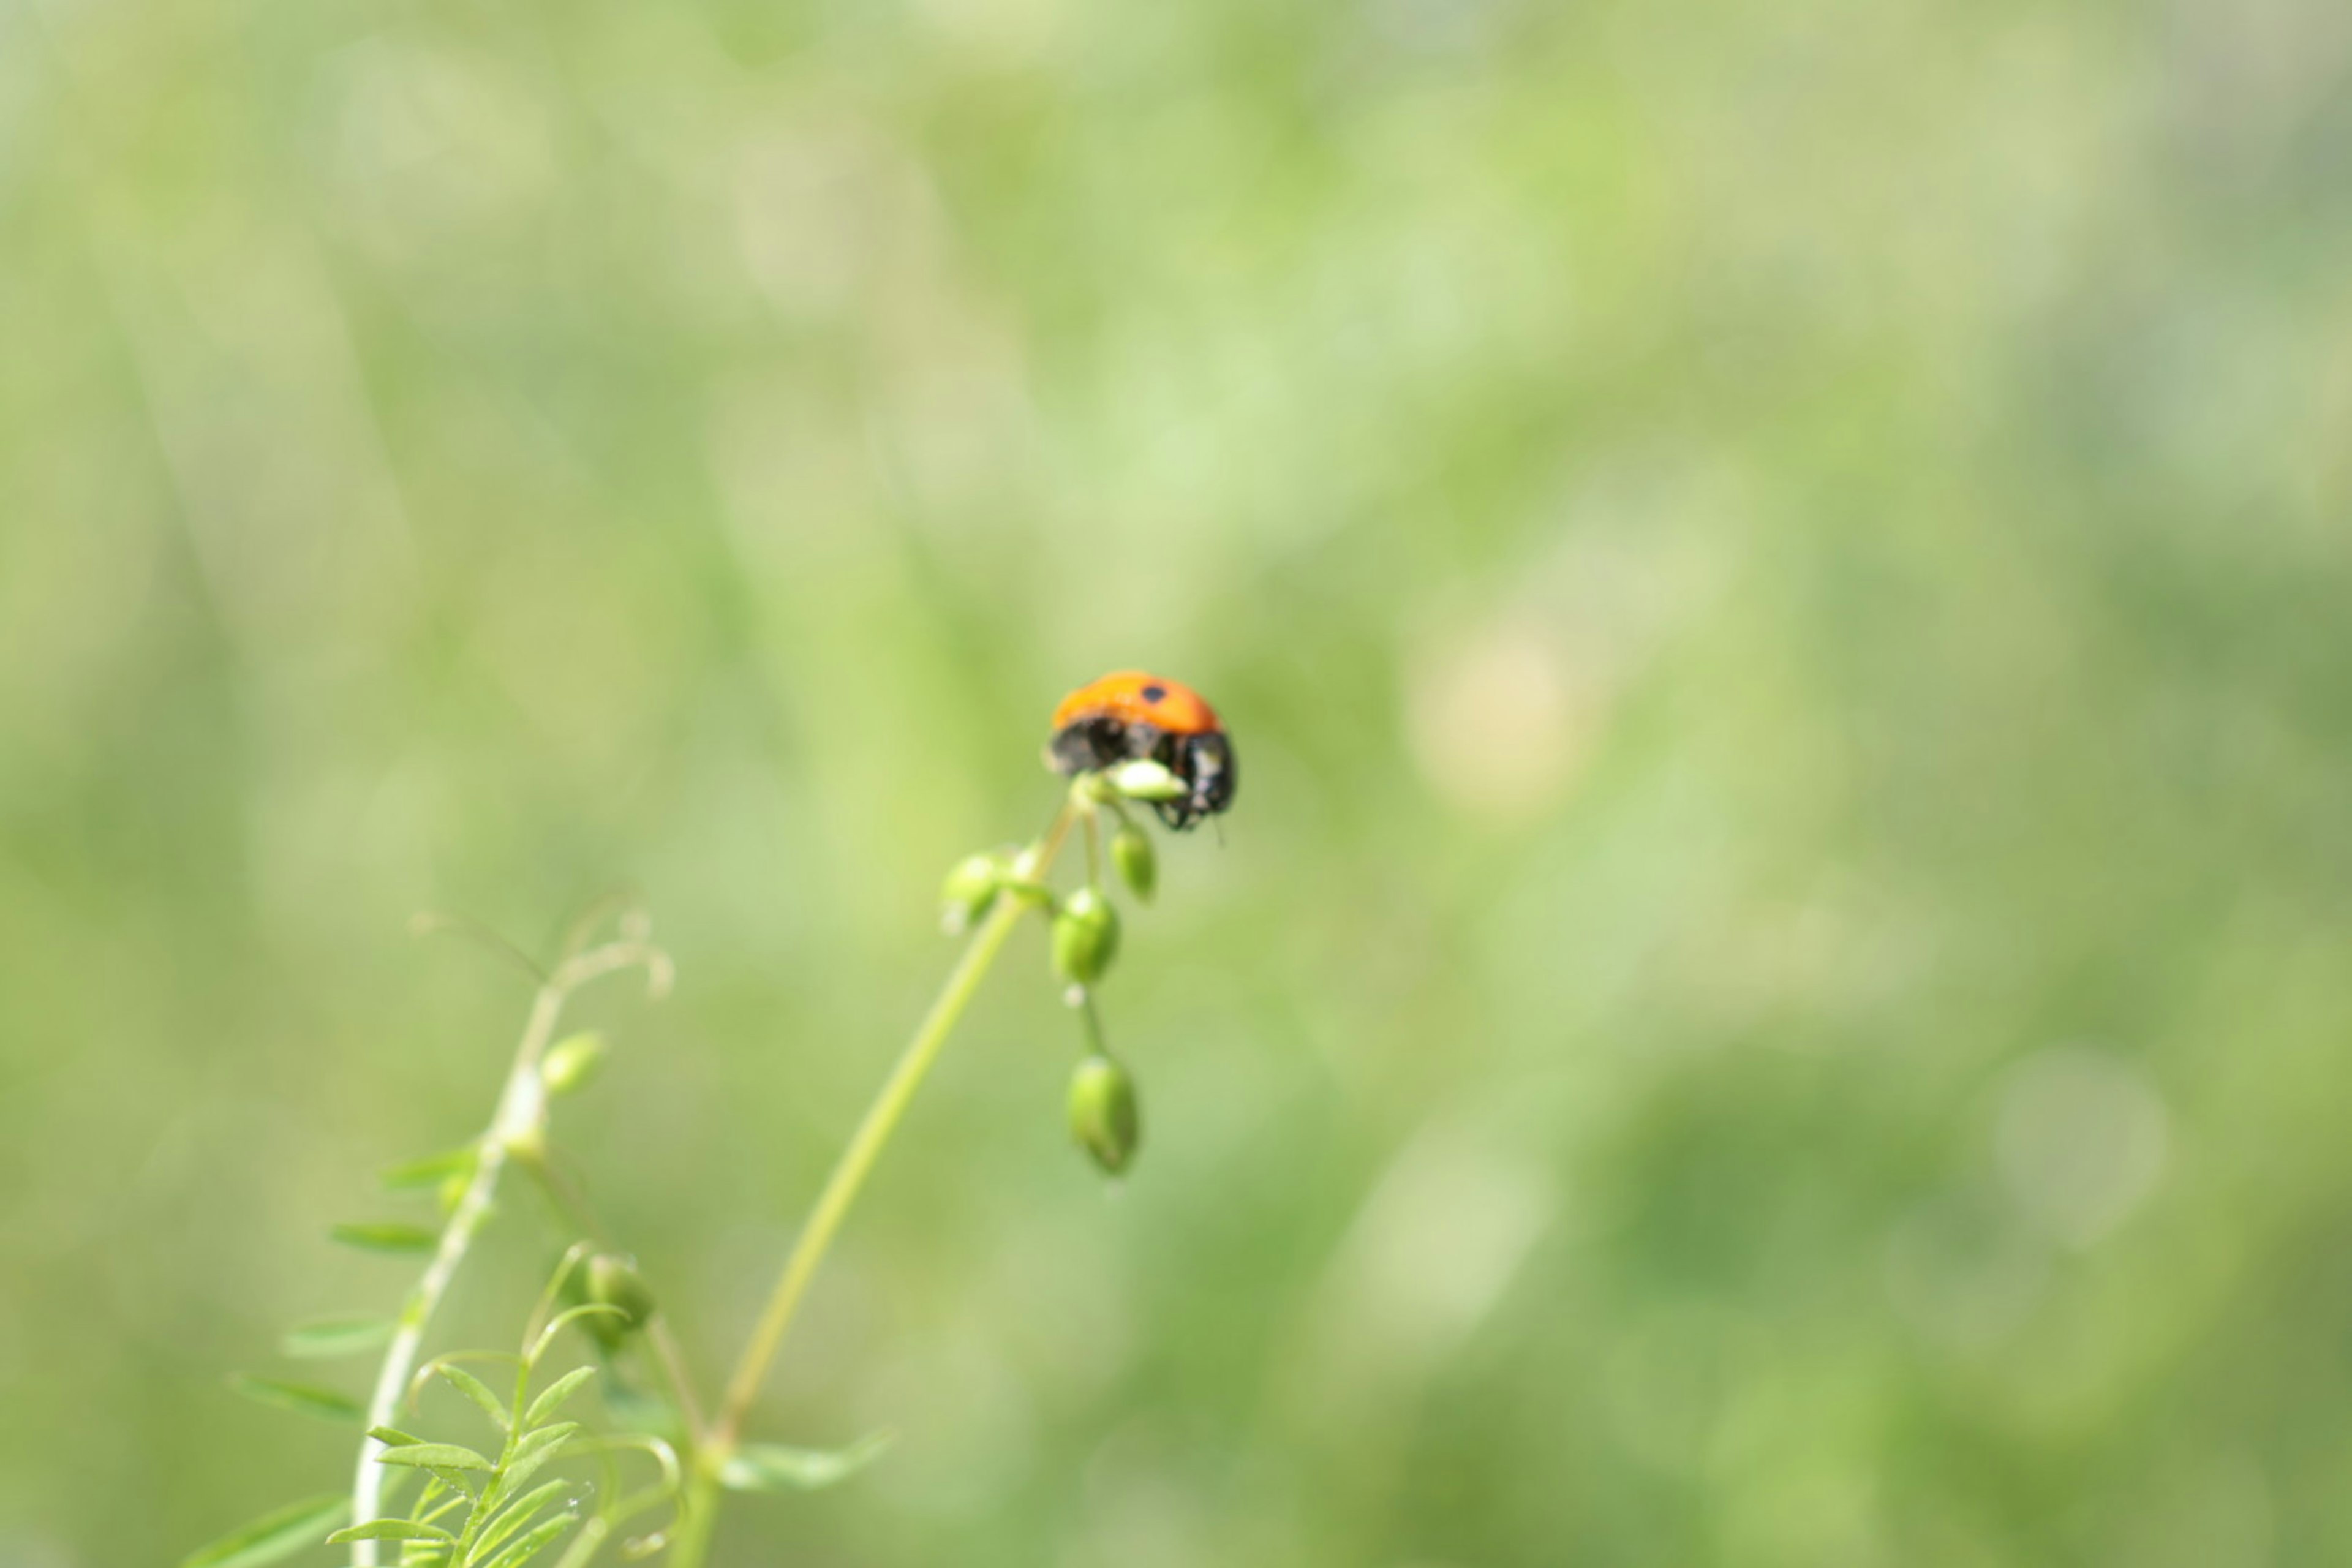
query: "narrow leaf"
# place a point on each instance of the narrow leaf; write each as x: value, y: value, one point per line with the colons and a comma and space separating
x: 561, y: 1389
x: 274, y: 1535
x: 532, y: 1545
x: 386, y: 1235
x: 517, y: 1514
x: 336, y: 1336
x: 394, y: 1438
x: 473, y: 1388
x: 388, y: 1529
x: 435, y: 1456
x: 767, y: 1467
x: 324, y: 1404
x: 429, y: 1171
x: 549, y: 1436
x: 533, y: 1453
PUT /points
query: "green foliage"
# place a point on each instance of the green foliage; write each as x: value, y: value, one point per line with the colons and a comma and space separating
x: 326, y: 1337
x: 1768, y: 565
x: 386, y: 1235
x: 770, y: 1468
x: 303, y: 1399
x: 391, y: 1529
x: 474, y: 1389
x: 430, y: 1171
x: 551, y: 1400
x: 474, y: 1512
x: 275, y: 1536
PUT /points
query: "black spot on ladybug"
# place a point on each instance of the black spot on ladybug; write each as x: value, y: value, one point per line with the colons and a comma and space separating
x: 1155, y: 693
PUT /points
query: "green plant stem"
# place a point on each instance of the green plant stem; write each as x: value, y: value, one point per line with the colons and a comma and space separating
x: 521, y: 1115
x: 843, y: 1183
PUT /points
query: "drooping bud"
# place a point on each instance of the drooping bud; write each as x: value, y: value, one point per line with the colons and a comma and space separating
x: 614, y: 1281
x: 1103, y: 1115
x: 1139, y: 865
x: 1085, y: 937
x: 969, y: 890
x: 571, y: 1062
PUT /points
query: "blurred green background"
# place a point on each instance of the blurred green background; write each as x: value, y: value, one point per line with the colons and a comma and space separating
x: 1779, y: 988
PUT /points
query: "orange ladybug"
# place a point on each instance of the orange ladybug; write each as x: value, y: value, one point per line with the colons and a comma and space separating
x: 1131, y: 716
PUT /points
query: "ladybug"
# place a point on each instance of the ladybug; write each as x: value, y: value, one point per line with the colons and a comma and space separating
x: 1134, y: 717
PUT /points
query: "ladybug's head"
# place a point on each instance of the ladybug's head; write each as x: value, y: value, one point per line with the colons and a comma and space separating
x: 1205, y: 764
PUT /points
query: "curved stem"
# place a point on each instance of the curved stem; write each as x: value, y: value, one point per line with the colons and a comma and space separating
x: 844, y: 1181
x: 522, y: 1109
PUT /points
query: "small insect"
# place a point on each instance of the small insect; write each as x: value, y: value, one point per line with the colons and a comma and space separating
x: 1134, y: 717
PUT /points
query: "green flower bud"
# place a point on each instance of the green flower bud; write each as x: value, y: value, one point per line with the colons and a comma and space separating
x: 614, y: 1282
x: 1103, y: 1116
x: 1139, y: 865
x: 970, y: 889
x: 1085, y: 937
x: 571, y: 1062
x: 1145, y: 780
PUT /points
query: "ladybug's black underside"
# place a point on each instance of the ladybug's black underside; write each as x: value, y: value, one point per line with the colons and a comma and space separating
x: 1204, y: 761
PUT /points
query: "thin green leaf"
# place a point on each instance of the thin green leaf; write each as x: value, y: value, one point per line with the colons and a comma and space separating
x: 435, y: 1456
x: 323, y: 1403
x: 769, y: 1467
x: 517, y: 1514
x: 551, y: 1435
x: 274, y: 1535
x: 473, y: 1388
x: 394, y: 1438
x: 533, y: 1453
x: 431, y: 1171
x: 336, y: 1336
x: 561, y: 1389
x: 532, y: 1545
x: 386, y: 1235
x: 388, y: 1529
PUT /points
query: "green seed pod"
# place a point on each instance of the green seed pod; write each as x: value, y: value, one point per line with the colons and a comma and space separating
x: 614, y: 1282
x: 1103, y: 1116
x: 970, y: 889
x: 572, y: 1062
x: 1138, y: 863
x: 1145, y: 780
x: 1085, y: 937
